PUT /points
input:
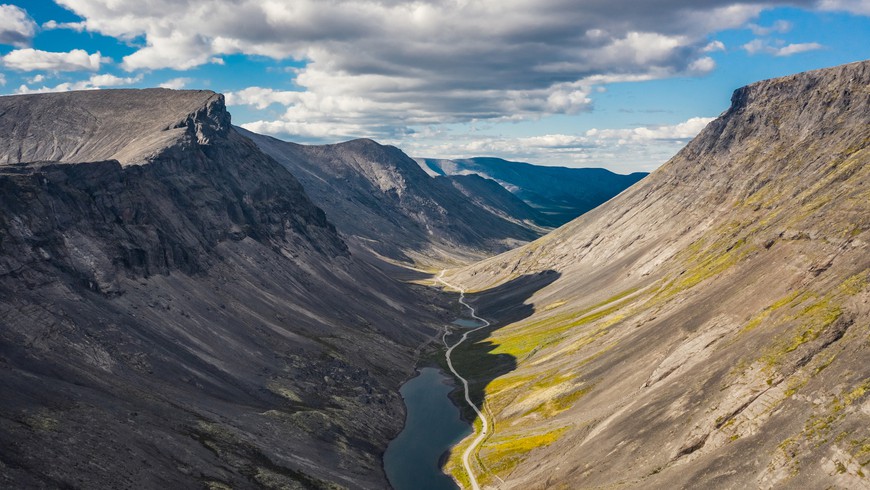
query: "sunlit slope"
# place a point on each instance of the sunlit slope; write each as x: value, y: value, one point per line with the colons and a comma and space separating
x: 710, y: 327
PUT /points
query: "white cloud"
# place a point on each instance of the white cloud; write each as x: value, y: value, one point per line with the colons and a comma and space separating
x: 778, y: 47
x: 394, y: 64
x: 778, y: 27
x: 261, y: 98
x: 791, y: 49
x: 860, y: 7
x: 29, y: 59
x: 16, y: 27
x: 2, y: 80
x: 714, y: 46
x: 73, y: 26
x: 92, y: 83
x: 702, y: 65
x: 621, y: 150
x: 176, y: 83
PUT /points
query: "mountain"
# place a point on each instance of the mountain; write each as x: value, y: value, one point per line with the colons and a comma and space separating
x: 560, y: 193
x: 175, y: 308
x: 708, y: 327
x: 379, y: 198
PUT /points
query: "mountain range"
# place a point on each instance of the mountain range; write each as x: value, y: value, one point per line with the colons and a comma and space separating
x: 559, y: 193
x: 708, y: 327
x: 186, y: 303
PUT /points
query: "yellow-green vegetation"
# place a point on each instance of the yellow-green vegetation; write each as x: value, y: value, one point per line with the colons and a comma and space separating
x: 507, y: 451
x: 811, y: 320
x: 860, y: 450
x: 454, y: 466
x: 508, y: 382
x: 42, y: 422
x: 818, y: 426
x: 284, y: 392
x: 525, y: 338
x: 560, y: 403
x: 703, y: 260
x: 769, y: 310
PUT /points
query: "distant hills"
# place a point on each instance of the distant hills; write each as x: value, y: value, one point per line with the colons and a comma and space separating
x: 559, y: 193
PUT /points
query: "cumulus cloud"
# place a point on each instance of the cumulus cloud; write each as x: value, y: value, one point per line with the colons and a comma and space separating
x: 29, y: 59
x: 424, y: 62
x: 92, y: 83
x: 714, y: 46
x: 73, y: 26
x: 176, y: 83
x: 621, y: 150
x: 16, y: 27
x: 779, y: 47
x: 779, y: 27
x: 261, y: 97
x: 860, y: 7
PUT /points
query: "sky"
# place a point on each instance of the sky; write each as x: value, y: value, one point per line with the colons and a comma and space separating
x: 577, y: 83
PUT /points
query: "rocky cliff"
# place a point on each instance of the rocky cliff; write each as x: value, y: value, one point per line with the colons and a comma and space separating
x: 709, y: 326
x: 174, y: 307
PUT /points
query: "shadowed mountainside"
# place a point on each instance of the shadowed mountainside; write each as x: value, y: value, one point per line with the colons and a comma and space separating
x: 174, y: 308
x: 380, y: 198
x: 710, y: 325
x: 560, y: 194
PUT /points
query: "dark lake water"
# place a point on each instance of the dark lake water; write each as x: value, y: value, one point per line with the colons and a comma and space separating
x: 431, y: 428
x: 467, y: 323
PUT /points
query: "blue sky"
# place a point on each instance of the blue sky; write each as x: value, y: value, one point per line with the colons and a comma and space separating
x: 554, y: 82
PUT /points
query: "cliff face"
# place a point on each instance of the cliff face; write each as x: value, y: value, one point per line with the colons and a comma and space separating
x: 379, y: 197
x: 709, y: 325
x: 174, y: 306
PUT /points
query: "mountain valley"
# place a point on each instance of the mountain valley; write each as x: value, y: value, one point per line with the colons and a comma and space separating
x: 189, y: 304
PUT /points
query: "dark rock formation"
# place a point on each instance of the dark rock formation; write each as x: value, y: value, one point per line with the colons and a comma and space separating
x: 175, y: 310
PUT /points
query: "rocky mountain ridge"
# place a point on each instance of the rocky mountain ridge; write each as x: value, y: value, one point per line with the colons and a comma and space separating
x: 708, y: 326
x: 174, y: 307
x: 380, y: 199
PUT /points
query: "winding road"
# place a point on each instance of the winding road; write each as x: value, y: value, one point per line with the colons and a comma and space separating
x: 484, y: 423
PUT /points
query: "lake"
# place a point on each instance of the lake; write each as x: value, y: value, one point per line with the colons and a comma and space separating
x: 432, y: 427
x: 468, y: 323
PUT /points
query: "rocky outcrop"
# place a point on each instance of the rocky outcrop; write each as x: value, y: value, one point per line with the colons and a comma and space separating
x: 709, y: 326
x: 175, y: 307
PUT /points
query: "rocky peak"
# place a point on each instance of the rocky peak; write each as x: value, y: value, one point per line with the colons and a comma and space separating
x: 127, y: 125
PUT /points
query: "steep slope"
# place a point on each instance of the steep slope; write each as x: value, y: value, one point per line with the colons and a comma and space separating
x: 177, y: 316
x: 379, y: 197
x: 560, y: 193
x: 490, y: 195
x: 709, y: 327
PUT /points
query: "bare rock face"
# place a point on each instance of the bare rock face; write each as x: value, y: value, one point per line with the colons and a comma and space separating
x: 175, y: 309
x: 709, y: 325
x: 92, y: 126
x: 381, y: 199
